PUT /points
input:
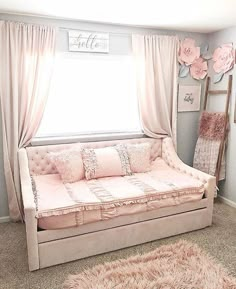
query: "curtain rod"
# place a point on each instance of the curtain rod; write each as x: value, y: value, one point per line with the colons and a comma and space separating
x: 86, y: 30
x: 110, y: 32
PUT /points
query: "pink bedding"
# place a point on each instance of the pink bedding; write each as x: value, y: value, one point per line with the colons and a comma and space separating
x: 66, y: 205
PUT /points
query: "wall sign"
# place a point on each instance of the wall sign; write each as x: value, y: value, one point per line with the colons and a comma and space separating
x: 84, y: 41
x: 189, y: 98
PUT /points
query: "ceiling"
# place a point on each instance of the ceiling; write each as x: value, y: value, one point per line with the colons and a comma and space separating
x: 188, y: 15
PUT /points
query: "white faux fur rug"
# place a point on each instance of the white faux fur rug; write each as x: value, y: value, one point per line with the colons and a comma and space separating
x: 179, y: 266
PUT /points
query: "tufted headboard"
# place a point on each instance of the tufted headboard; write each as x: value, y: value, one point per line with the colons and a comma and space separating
x: 40, y: 164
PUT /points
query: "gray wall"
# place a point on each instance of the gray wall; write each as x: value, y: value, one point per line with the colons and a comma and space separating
x: 3, y: 194
x: 187, y: 122
x: 227, y: 188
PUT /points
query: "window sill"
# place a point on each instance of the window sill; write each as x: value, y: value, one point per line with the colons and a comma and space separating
x: 85, y: 138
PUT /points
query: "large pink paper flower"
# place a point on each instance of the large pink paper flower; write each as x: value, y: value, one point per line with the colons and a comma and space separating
x: 188, y: 52
x: 223, y: 57
x: 198, y: 69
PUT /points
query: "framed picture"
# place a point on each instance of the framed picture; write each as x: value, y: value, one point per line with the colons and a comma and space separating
x: 189, y: 98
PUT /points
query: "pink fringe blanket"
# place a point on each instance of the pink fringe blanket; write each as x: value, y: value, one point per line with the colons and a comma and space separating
x: 212, y: 125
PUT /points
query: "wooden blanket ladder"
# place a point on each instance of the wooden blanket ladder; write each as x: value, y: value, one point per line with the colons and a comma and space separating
x: 223, y: 142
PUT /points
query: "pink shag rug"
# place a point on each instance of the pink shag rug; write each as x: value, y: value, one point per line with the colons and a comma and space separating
x: 179, y: 266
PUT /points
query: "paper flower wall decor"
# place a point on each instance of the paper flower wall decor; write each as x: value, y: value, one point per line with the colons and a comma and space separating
x: 223, y: 58
x: 193, y: 59
x: 198, y: 69
x: 188, y: 52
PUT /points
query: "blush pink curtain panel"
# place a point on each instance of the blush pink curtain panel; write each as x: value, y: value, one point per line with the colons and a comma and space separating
x: 26, y: 61
x: 157, y: 77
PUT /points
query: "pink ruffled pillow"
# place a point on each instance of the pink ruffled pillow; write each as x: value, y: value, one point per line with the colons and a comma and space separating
x: 106, y: 162
x: 69, y: 164
x: 139, y: 156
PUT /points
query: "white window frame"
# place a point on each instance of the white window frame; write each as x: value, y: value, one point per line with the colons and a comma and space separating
x: 85, y: 138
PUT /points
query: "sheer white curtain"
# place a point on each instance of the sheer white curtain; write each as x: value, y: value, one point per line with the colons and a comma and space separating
x: 26, y: 60
x: 157, y: 76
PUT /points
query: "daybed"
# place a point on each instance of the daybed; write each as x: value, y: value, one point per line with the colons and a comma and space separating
x: 62, y: 225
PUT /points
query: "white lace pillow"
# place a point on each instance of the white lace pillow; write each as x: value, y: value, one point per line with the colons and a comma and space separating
x: 139, y: 156
x: 106, y: 162
x: 69, y: 164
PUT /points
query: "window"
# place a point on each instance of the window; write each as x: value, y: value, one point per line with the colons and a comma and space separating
x: 91, y: 93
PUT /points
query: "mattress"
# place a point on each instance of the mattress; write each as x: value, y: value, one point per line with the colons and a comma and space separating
x: 64, y: 205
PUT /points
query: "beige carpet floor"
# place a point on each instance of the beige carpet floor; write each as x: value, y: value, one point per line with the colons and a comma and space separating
x: 218, y: 240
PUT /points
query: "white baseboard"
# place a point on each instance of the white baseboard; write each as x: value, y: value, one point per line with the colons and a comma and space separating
x: 227, y: 201
x: 5, y: 219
